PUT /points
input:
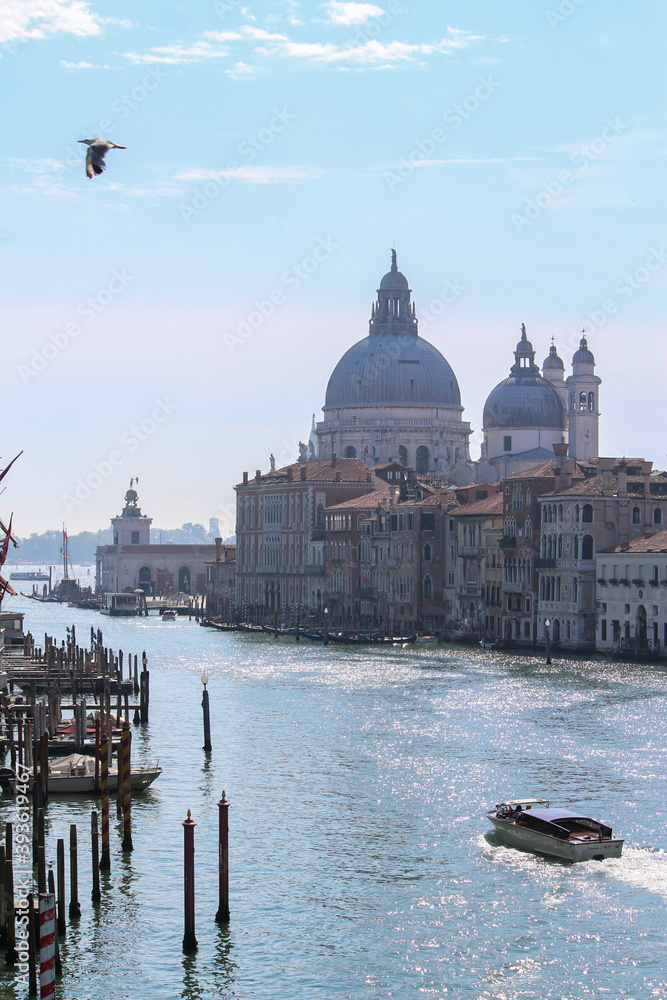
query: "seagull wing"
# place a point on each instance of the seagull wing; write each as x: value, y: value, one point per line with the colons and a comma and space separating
x: 95, y: 159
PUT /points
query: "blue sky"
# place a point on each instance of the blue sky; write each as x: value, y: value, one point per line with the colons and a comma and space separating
x: 178, y: 317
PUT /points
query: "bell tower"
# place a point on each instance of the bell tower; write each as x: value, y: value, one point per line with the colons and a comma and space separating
x: 583, y: 409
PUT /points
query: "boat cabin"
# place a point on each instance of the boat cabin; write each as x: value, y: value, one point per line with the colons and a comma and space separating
x: 120, y: 605
x: 11, y: 629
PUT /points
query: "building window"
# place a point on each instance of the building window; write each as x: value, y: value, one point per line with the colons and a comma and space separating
x: 582, y: 400
x: 657, y: 516
x: 507, y: 442
x: 591, y: 400
x: 635, y: 515
x: 587, y: 547
x: 528, y: 605
x: 428, y: 588
x: 427, y: 553
x: 587, y: 514
x: 422, y: 458
x: 134, y: 538
x: 428, y: 522
x: 526, y: 630
x: 402, y: 454
x: 350, y: 451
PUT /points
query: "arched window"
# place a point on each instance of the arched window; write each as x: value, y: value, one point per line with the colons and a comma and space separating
x: 587, y: 547
x: 184, y: 580
x: 560, y: 546
x: 591, y: 400
x: 582, y: 400
x: 635, y: 515
x: 657, y: 516
x: 320, y: 515
x: 427, y: 553
x: 576, y: 547
x: 428, y: 588
x: 350, y: 451
x: 402, y: 454
x: 576, y: 512
x: 422, y: 458
x: 575, y: 589
x: 587, y: 513
x: 560, y: 512
x: 558, y: 588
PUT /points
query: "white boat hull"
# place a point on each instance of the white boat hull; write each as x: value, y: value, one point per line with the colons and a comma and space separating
x: 581, y: 848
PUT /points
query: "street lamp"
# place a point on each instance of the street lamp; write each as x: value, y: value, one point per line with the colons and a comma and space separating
x: 207, y: 717
x: 547, y: 626
x: 326, y: 626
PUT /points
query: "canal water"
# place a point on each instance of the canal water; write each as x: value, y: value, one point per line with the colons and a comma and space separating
x: 361, y: 865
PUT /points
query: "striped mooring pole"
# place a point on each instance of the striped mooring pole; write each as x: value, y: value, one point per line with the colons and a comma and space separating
x: 126, y: 742
x: 47, y: 944
x: 105, y: 860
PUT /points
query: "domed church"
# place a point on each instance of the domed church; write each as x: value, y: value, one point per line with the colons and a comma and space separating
x: 527, y: 413
x: 394, y: 397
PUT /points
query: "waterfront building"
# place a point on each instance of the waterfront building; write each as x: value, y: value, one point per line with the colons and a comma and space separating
x: 477, y: 562
x: 386, y: 553
x: 614, y: 503
x: 280, y: 530
x: 631, y: 606
x: 393, y: 396
x: 132, y: 562
x: 220, y: 581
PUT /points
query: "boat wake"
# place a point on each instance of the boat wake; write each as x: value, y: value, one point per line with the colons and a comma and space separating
x: 641, y: 867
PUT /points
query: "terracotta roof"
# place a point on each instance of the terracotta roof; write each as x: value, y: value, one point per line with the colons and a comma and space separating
x: 489, y: 505
x: 647, y: 543
x: 368, y: 501
x: 348, y: 470
x: 548, y: 469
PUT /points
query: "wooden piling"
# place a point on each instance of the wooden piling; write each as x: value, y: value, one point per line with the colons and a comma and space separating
x: 105, y: 862
x: 32, y: 948
x: 127, y: 786
x: 44, y: 766
x: 3, y: 927
x: 60, y: 864
x: 95, y: 895
x: 144, y: 688
x: 52, y: 890
x: 74, y: 905
x: 11, y: 956
x: 222, y: 916
x: 41, y: 852
x: 189, y: 939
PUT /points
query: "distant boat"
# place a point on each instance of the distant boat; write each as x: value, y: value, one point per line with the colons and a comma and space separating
x: 75, y: 775
x: 120, y: 605
x: 29, y: 576
x: 169, y: 615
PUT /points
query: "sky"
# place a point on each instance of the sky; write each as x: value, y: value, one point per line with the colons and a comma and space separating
x: 177, y: 318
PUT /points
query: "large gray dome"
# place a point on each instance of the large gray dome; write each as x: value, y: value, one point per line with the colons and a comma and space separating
x: 524, y: 401
x: 392, y: 368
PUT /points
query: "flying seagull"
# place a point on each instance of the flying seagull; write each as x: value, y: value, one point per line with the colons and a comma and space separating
x: 97, y: 149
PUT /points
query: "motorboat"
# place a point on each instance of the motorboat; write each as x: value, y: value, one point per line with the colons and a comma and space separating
x: 533, y: 825
x: 169, y: 615
x: 75, y: 775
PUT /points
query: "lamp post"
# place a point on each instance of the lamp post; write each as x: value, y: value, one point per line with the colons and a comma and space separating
x: 326, y: 626
x: 207, y: 716
x: 547, y: 626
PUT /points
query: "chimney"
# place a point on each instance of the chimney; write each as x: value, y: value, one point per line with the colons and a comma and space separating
x: 303, y: 473
x: 560, y: 451
x: 290, y: 474
x: 258, y: 476
x: 337, y: 477
x: 333, y: 460
x: 369, y: 477
x: 646, y: 469
x: 622, y: 473
x: 218, y: 550
x: 245, y: 478
x: 564, y: 468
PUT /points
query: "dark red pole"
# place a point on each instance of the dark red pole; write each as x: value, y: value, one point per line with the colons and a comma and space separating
x: 97, y: 754
x: 189, y: 939
x: 222, y: 916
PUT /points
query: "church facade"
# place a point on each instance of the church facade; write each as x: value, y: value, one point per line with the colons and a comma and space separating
x: 394, y: 397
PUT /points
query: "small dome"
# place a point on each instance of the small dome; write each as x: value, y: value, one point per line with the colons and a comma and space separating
x: 583, y: 356
x: 553, y: 361
x: 393, y: 279
x: 524, y: 401
x: 131, y: 496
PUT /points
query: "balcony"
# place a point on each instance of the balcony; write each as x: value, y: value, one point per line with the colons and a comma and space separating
x: 471, y: 550
x: 315, y: 569
x: 507, y: 541
x: 514, y: 587
x: 472, y: 588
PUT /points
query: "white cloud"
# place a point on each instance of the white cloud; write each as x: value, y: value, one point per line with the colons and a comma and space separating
x: 139, y: 192
x: 469, y: 159
x: 341, y: 12
x: 372, y: 52
x: 252, y: 174
x: 83, y: 65
x: 178, y: 54
x: 21, y: 20
x: 241, y: 70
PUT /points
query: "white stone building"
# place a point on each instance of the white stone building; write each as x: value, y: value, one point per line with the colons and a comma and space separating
x: 631, y: 608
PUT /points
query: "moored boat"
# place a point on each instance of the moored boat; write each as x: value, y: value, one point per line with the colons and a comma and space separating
x: 75, y: 775
x: 533, y: 825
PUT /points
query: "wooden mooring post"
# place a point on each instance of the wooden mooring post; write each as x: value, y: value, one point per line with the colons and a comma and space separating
x: 105, y: 862
x: 60, y: 865
x: 222, y: 916
x: 189, y: 939
x: 126, y: 743
x: 74, y: 905
x: 95, y: 895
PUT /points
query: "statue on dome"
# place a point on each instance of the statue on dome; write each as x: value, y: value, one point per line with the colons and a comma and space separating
x: 303, y: 453
x: 272, y: 462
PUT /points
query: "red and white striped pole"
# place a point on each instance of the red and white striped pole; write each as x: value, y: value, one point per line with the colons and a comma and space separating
x: 126, y: 742
x: 47, y: 944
